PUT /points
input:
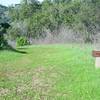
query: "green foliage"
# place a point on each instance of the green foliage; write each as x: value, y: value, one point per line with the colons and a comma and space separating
x: 81, y: 15
x: 3, y: 42
x: 21, y: 41
x: 3, y: 26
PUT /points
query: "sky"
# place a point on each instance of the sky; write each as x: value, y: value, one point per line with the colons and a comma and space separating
x: 10, y: 2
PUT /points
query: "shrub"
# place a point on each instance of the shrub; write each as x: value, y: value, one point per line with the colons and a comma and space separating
x: 3, y: 42
x: 21, y: 41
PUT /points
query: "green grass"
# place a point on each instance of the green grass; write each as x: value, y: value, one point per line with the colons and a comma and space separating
x: 49, y: 72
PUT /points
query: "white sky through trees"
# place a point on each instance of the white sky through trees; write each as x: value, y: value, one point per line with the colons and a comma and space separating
x: 10, y: 2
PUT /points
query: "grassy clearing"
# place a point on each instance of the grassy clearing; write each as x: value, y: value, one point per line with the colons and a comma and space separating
x: 51, y: 72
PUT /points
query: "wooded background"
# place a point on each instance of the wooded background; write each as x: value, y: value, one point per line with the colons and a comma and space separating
x: 52, y: 21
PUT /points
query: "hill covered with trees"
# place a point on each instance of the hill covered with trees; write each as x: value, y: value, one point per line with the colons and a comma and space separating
x: 73, y: 19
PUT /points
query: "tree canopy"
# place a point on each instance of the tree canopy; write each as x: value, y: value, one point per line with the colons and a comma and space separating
x: 32, y: 18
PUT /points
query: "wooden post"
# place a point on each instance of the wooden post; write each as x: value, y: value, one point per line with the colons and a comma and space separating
x: 96, y: 54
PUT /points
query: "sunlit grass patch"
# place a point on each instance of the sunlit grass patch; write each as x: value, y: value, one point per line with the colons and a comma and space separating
x: 49, y: 72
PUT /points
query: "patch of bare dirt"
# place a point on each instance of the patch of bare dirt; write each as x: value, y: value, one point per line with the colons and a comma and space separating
x: 4, y: 92
x: 44, y: 80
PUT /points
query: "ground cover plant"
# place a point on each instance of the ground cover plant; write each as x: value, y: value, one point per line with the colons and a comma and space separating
x: 49, y: 72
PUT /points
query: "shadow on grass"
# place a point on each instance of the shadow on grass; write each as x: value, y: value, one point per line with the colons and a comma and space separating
x: 10, y: 48
x: 22, y: 48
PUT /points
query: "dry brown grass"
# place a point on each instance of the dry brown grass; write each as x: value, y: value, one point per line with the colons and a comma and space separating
x: 43, y: 83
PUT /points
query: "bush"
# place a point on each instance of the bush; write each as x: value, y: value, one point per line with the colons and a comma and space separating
x: 21, y: 41
x: 3, y: 42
